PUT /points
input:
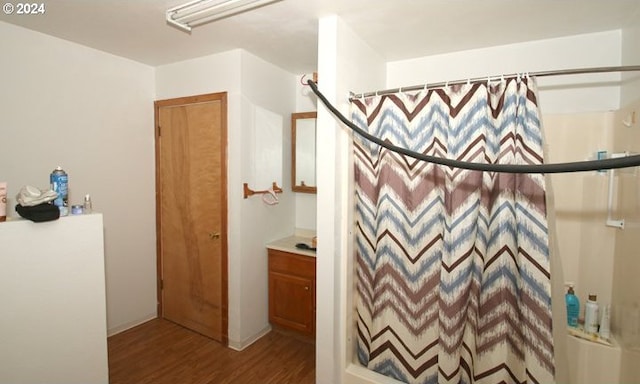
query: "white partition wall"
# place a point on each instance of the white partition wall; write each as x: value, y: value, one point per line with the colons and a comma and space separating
x: 346, y: 64
x: 53, y: 326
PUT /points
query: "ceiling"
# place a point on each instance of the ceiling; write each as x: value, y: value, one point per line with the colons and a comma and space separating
x: 285, y: 32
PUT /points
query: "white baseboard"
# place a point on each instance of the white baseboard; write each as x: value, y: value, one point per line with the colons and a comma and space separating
x: 240, y: 345
x: 235, y: 345
x: 123, y: 327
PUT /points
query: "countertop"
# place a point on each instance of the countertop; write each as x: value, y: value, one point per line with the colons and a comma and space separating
x: 288, y: 244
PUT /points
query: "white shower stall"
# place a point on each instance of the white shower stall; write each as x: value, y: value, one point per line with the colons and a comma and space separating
x: 581, y: 115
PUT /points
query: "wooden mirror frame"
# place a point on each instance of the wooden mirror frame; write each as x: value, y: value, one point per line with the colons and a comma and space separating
x: 294, y: 118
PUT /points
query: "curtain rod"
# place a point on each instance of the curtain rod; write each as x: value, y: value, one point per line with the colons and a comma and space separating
x: 577, y: 71
x: 578, y: 166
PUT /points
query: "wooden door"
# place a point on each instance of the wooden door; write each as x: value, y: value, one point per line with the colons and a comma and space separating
x: 191, y: 213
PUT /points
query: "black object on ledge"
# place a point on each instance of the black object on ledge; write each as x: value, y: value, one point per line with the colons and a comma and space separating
x: 305, y: 246
x: 39, y: 213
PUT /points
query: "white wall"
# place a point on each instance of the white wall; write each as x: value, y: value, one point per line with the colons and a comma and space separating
x: 567, y: 94
x: 306, y: 203
x: 345, y: 62
x: 272, y: 88
x: 91, y: 113
x: 208, y: 74
x: 250, y: 82
x: 630, y: 56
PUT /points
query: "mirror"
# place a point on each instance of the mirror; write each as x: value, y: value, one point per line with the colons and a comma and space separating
x: 303, y: 152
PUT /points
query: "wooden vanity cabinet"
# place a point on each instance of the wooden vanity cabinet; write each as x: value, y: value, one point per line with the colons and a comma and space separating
x: 292, y: 293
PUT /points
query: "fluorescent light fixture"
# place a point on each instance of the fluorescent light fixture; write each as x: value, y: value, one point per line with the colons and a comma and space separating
x: 199, y: 12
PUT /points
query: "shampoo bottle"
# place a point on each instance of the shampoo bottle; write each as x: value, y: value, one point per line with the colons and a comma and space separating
x: 573, y: 306
x: 591, y: 315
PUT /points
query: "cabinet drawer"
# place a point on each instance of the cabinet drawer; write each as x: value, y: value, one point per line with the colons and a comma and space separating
x: 290, y: 263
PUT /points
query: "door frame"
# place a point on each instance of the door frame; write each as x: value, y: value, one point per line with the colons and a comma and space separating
x: 222, y: 98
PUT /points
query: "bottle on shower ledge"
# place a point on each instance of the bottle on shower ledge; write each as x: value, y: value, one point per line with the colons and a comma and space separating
x: 573, y: 306
x: 591, y: 315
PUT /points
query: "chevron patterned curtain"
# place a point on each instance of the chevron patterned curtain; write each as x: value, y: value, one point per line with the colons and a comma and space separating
x: 453, y: 277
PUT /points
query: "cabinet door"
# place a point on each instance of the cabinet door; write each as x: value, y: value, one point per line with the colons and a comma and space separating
x: 291, y: 302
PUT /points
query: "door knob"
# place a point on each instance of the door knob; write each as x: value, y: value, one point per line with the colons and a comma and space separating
x: 214, y: 235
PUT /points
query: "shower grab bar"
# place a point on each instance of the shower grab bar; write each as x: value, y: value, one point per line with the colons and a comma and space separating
x: 611, y: 222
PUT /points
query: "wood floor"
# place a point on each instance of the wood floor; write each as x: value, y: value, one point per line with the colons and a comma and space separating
x: 162, y: 352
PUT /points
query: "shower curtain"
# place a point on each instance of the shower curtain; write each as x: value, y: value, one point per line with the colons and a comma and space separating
x: 453, y: 277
